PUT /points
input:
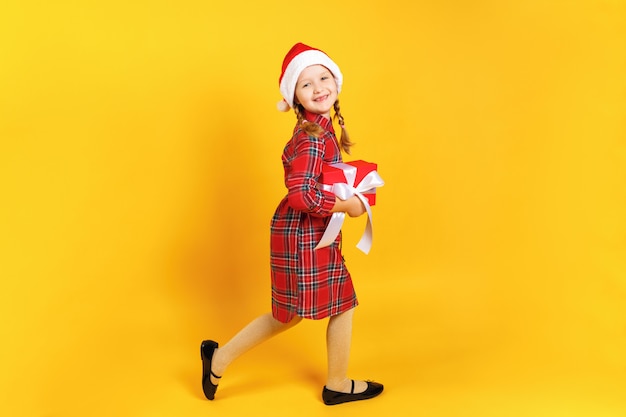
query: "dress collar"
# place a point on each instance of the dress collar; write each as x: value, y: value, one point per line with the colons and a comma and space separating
x: 325, y: 123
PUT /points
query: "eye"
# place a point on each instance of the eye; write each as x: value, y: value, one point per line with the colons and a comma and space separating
x: 305, y: 85
x: 325, y: 77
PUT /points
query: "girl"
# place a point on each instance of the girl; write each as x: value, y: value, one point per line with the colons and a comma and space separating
x: 306, y: 282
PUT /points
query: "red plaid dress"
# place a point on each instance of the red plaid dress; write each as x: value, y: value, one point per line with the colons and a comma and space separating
x: 306, y: 282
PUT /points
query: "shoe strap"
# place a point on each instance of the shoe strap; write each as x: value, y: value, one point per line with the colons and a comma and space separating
x: 213, y: 375
x: 352, y: 390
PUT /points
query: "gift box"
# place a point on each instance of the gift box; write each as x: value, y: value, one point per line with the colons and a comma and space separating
x: 346, y: 180
x: 352, y: 173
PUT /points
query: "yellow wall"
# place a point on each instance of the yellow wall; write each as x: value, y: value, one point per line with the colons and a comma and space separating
x: 140, y: 165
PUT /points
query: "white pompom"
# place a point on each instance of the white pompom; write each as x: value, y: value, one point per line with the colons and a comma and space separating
x: 282, y: 106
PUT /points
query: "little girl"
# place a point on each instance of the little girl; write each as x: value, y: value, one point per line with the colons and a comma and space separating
x: 306, y: 282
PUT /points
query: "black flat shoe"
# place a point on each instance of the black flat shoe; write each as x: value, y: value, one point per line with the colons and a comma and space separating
x: 207, y: 349
x: 333, y: 397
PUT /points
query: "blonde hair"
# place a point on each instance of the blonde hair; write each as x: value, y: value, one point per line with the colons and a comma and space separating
x: 316, y: 130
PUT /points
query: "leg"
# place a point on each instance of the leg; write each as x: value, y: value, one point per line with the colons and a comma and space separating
x: 338, y: 341
x: 339, y: 389
x: 257, y: 331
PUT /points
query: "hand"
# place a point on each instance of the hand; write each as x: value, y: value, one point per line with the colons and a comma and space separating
x: 352, y: 206
x: 355, y: 207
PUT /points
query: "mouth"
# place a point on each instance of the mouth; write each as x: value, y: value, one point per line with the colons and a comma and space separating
x: 322, y: 98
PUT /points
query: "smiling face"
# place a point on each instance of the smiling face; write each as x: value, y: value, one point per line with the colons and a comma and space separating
x: 316, y: 90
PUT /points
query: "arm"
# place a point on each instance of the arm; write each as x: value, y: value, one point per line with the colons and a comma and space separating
x: 302, y: 179
x: 302, y: 182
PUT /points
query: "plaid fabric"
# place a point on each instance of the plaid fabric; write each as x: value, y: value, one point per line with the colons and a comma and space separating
x: 306, y: 282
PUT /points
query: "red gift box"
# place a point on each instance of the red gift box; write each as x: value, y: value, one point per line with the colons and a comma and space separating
x: 345, y: 180
x: 334, y: 174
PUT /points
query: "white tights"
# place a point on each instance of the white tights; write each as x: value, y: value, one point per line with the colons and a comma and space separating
x: 338, y: 340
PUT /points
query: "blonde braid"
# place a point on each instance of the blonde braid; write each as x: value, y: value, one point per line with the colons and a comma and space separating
x: 297, y: 108
x: 344, y: 141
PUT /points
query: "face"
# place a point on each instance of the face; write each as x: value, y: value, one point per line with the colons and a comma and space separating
x: 316, y: 90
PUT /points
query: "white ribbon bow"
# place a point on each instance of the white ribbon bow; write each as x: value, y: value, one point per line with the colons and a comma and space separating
x: 344, y: 191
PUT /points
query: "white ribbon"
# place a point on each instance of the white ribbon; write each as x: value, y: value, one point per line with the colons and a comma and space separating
x: 344, y: 191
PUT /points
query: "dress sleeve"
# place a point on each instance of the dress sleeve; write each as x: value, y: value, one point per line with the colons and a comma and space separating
x: 302, y: 181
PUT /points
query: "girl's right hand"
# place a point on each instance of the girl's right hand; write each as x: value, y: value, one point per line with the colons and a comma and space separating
x: 356, y: 207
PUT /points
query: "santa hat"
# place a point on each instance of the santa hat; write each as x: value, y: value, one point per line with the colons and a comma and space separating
x: 297, y: 59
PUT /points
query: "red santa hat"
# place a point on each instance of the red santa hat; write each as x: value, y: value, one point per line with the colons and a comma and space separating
x: 297, y: 59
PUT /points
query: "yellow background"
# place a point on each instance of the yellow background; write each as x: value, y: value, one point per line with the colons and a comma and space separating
x: 140, y: 166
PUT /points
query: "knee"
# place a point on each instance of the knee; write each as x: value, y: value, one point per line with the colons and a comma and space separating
x: 294, y: 321
x: 280, y: 326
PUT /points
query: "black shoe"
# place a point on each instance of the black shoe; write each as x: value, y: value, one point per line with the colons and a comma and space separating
x: 207, y: 349
x: 334, y: 397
